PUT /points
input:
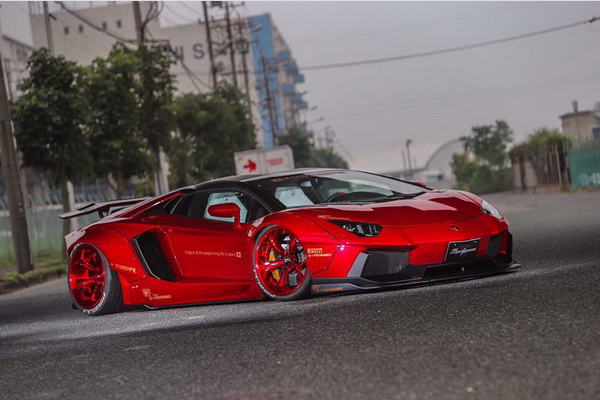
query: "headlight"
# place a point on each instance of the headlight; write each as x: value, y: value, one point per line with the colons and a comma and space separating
x: 362, y: 229
x: 490, y: 210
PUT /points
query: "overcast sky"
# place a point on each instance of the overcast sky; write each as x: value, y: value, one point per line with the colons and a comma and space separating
x: 375, y: 108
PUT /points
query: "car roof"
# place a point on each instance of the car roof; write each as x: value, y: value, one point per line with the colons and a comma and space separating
x: 255, y: 177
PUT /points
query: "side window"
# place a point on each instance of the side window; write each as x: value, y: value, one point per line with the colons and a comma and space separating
x: 292, y: 196
x: 242, y: 200
x: 195, y: 205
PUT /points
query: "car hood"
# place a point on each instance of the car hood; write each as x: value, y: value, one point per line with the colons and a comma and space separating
x: 429, y: 208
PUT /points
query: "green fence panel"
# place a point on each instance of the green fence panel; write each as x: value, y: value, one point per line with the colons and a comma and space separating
x: 584, y: 167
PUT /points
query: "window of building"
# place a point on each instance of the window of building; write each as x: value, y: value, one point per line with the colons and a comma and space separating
x: 104, y: 26
x: 80, y: 28
x: 119, y: 23
x: 66, y: 30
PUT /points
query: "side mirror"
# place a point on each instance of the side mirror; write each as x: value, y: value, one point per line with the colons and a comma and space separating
x: 226, y: 210
x: 420, y: 184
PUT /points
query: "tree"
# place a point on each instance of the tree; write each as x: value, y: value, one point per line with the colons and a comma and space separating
x: 50, y: 118
x: 306, y: 155
x: 156, y: 98
x: 541, y: 141
x: 301, y: 146
x: 118, y: 149
x: 211, y: 127
x: 328, y: 158
x: 483, y: 168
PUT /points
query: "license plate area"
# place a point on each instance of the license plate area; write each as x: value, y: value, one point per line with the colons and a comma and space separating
x: 460, y: 251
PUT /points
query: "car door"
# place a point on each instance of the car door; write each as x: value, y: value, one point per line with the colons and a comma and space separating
x: 208, y: 248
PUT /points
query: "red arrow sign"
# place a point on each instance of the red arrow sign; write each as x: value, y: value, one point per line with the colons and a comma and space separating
x: 251, y: 165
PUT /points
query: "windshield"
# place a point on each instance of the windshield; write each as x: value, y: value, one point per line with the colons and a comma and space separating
x: 306, y: 189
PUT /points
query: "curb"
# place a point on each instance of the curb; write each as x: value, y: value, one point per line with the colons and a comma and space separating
x: 8, y: 287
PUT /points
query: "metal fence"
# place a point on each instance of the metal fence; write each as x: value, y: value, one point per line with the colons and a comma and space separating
x: 45, y: 228
x: 545, y: 171
x: 584, y: 163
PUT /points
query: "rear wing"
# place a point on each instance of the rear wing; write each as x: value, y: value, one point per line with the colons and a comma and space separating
x: 103, y: 208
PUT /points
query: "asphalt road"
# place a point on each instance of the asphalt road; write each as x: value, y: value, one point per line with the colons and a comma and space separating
x: 533, y: 334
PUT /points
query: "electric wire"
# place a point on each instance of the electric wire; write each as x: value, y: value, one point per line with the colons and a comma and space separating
x: 175, y: 13
x: 188, y: 7
x: 56, y: 30
x: 411, y: 104
x: 91, y: 24
x: 448, y: 50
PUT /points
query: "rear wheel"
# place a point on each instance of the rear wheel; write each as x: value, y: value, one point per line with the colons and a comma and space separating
x: 95, y: 287
x: 280, y: 265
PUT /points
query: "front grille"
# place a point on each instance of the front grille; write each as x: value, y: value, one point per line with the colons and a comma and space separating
x: 384, y: 265
x: 449, y: 270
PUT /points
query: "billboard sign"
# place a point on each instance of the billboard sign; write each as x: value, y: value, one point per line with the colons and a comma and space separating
x: 263, y: 161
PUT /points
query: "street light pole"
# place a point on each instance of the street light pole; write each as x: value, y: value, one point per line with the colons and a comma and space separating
x: 408, y: 143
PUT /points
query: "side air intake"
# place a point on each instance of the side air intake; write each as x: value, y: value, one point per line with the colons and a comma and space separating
x: 152, y: 256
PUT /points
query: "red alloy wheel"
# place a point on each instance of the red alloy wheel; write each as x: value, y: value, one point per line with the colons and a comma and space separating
x: 280, y: 263
x: 87, y: 276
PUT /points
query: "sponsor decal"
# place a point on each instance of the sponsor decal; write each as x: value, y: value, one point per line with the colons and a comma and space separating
x: 235, y: 254
x: 320, y: 289
x: 124, y: 268
x: 329, y: 217
x: 317, y: 252
x: 148, y: 293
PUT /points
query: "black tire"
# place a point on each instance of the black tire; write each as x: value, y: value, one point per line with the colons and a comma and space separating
x: 111, y: 298
x: 300, y: 292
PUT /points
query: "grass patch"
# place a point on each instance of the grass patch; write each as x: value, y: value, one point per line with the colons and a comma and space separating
x: 42, y: 270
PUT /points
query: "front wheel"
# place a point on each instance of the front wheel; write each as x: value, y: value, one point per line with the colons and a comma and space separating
x: 94, y: 287
x: 280, y: 264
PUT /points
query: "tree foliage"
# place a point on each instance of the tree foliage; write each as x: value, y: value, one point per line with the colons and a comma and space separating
x: 50, y: 117
x: 211, y: 127
x: 156, y: 91
x: 483, y: 167
x: 541, y: 141
x: 117, y: 146
x: 306, y: 155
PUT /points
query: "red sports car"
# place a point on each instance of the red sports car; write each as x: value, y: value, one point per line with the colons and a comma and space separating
x: 281, y: 236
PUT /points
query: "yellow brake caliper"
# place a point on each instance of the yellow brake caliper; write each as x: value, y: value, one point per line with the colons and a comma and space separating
x: 276, y: 272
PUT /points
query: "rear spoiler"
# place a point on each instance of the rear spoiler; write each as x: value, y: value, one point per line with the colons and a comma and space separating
x: 103, y: 208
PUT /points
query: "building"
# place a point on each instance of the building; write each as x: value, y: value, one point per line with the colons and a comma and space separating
x: 277, y: 75
x: 82, y: 34
x: 582, y: 124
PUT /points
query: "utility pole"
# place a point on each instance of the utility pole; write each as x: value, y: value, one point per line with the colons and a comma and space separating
x: 211, y: 55
x: 48, y: 28
x: 329, y: 135
x: 12, y: 183
x: 231, y: 48
x: 139, y: 27
x: 244, y: 50
x: 269, y: 100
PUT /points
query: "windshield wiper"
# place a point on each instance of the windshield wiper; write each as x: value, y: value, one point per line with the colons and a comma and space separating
x: 400, y: 196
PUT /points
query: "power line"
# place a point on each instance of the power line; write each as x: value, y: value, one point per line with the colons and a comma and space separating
x: 186, y: 19
x: 188, y: 7
x: 449, y: 50
x: 422, y: 102
x: 87, y: 22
